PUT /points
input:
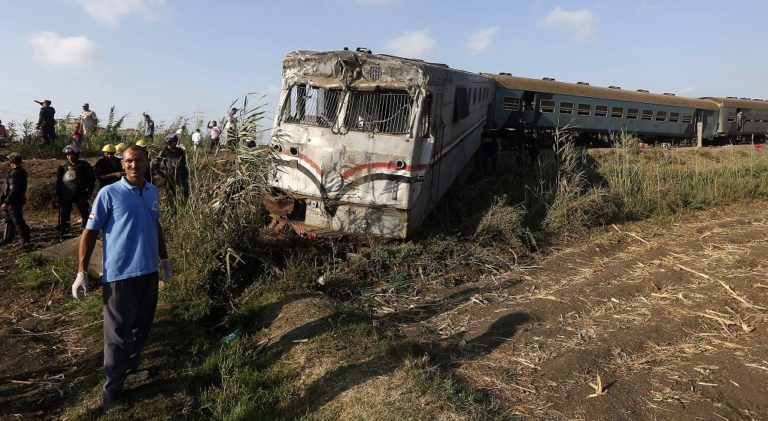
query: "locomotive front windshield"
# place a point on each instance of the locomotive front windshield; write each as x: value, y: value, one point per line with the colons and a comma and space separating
x: 380, y: 112
x: 312, y: 106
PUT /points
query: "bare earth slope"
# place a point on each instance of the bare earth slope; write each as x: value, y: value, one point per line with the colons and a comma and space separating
x: 670, y: 315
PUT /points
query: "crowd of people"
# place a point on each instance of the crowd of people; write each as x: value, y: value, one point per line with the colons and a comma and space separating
x: 126, y: 211
x: 76, y: 179
x: 76, y: 183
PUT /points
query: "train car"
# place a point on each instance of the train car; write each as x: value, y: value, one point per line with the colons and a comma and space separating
x: 368, y: 143
x: 546, y: 104
x: 741, y: 117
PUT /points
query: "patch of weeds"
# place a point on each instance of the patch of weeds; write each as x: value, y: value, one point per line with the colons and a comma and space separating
x: 504, y: 225
x: 36, y: 272
x: 453, y: 393
x: 241, y: 388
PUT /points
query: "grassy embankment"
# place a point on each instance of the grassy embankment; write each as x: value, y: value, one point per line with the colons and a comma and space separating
x: 307, y: 343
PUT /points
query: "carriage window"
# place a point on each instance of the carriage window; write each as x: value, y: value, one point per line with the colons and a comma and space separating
x: 647, y: 115
x: 674, y: 117
x: 382, y: 112
x: 687, y: 118
x: 632, y: 113
x: 312, y: 106
x: 617, y: 112
x: 510, y: 104
x: 585, y: 109
x: 731, y: 117
x: 547, y: 106
x: 566, y: 108
x: 460, y: 104
x: 661, y: 116
x: 601, y: 110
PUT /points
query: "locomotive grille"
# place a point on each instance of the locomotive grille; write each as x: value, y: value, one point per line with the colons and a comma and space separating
x: 312, y: 106
x: 379, y: 112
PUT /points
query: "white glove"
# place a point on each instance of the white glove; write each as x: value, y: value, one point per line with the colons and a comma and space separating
x: 80, y: 286
x: 166, y: 269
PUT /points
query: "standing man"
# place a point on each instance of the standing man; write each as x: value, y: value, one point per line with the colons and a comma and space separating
x: 128, y: 215
x: 46, y: 122
x: 13, y: 200
x: 181, y: 132
x: 230, y: 129
x: 149, y: 129
x: 108, y: 169
x: 74, y: 184
x: 215, y: 135
x: 197, y: 139
x: 173, y: 163
x: 89, y: 121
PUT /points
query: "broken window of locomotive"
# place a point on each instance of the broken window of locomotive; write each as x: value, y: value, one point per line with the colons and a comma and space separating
x: 312, y: 106
x: 381, y: 112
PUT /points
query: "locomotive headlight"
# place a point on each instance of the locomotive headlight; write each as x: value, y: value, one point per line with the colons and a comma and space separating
x: 400, y: 165
x: 277, y: 147
x: 294, y: 151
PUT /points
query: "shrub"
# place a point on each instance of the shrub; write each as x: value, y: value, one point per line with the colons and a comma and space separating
x: 504, y: 224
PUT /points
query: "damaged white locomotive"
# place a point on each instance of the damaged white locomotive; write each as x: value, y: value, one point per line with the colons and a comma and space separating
x: 368, y: 143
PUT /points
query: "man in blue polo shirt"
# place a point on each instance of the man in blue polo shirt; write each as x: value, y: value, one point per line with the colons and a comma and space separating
x: 133, y: 246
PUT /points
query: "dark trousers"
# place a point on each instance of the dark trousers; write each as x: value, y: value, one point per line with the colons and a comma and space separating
x: 14, y: 221
x: 66, y: 210
x: 48, y: 134
x: 129, y: 308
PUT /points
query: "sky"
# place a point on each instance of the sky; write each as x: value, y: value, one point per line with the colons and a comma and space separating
x: 193, y: 58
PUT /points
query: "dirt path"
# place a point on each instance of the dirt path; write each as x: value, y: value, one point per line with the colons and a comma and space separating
x: 671, y: 316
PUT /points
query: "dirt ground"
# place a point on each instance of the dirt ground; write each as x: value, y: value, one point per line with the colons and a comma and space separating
x: 650, y: 320
x: 670, y: 315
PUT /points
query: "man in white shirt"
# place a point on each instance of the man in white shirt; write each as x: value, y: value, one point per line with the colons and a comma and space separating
x: 197, y: 139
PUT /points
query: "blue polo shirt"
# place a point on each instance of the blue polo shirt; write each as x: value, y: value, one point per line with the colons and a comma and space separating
x: 128, y: 218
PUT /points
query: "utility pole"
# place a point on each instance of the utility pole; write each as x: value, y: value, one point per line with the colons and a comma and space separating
x: 198, y: 120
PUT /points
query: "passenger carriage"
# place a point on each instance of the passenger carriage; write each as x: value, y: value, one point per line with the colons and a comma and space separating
x: 548, y: 104
x: 741, y: 117
x: 368, y: 143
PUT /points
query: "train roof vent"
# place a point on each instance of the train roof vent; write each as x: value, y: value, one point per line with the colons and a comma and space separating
x: 731, y: 97
x: 614, y: 87
x: 363, y: 50
x: 668, y: 94
x: 583, y: 83
x: 748, y: 99
x: 505, y: 74
x: 643, y: 91
x: 550, y: 79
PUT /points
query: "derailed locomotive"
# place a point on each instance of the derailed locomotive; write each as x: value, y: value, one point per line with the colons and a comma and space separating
x: 368, y: 143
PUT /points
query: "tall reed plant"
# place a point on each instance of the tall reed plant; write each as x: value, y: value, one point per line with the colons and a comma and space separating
x: 214, y: 235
